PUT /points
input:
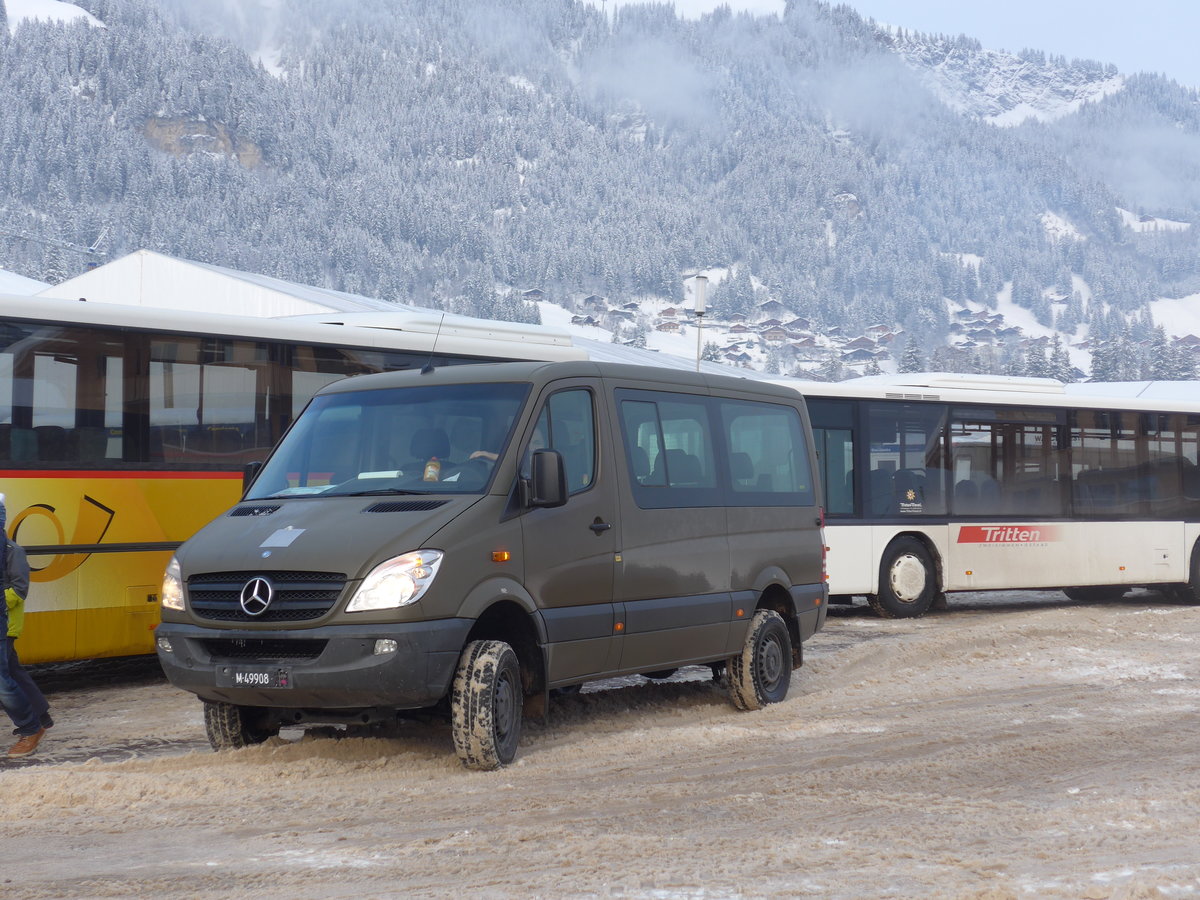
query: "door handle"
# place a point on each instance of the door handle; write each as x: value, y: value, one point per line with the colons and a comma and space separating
x: 599, y: 525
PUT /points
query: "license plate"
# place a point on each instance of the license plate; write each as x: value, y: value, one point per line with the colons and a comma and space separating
x: 264, y: 677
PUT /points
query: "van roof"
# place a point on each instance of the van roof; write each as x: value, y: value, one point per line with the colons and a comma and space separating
x: 543, y: 372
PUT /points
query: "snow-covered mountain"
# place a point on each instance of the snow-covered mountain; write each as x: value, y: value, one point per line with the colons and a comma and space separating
x: 474, y: 154
x: 1003, y: 88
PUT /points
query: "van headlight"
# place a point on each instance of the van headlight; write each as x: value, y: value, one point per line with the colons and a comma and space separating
x: 397, y: 582
x: 172, y: 586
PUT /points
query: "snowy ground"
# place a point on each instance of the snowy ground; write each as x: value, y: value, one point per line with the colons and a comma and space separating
x: 1016, y: 745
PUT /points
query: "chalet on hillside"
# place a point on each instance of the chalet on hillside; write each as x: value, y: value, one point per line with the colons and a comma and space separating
x: 739, y: 328
x: 857, y: 356
x: 615, y: 317
x: 772, y: 309
x: 859, y: 343
x: 800, y: 323
x: 534, y: 295
x: 594, y: 304
x: 775, y: 335
x: 669, y: 327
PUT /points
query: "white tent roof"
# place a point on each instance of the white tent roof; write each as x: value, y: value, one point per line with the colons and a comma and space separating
x: 12, y: 283
x: 146, y: 278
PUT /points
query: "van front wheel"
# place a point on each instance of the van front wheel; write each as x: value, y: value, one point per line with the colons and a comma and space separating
x: 232, y: 727
x: 762, y: 672
x: 485, y: 706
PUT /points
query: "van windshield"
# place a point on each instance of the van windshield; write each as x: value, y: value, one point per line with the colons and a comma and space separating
x: 422, y: 440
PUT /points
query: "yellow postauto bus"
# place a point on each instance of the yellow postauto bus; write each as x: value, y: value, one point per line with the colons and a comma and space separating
x: 124, y: 429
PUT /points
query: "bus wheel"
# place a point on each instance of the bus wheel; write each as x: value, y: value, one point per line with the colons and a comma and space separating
x: 907, y: 581
x: 1099, y: 593
x: 485, y: 707
x: 1190, y: 592
x: 762, y: 672
x: 232, y: 727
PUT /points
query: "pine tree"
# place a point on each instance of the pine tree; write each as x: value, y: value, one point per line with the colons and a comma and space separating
x: 911, y: 359
x: 1060, y: 362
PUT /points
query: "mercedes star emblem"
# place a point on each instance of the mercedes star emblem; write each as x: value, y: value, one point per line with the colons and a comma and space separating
x: 256, y: 596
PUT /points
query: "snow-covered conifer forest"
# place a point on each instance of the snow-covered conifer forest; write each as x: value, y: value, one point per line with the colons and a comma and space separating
x: 871, y: 195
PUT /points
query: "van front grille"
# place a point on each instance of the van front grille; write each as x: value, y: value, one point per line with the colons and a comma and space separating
x: 295, y: 596
x: 252, y: 648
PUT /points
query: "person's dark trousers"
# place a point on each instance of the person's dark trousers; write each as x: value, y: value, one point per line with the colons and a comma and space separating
x: 16, y: 671
x: 12, y: 695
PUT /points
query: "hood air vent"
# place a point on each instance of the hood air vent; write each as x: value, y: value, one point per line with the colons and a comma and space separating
x: 254, y: 510
x: 405, y: 506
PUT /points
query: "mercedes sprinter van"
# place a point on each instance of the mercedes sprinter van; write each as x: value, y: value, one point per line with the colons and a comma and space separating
x: 471, y: 537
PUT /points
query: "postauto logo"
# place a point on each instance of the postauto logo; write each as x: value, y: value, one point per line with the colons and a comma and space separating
x: 1008, y: 534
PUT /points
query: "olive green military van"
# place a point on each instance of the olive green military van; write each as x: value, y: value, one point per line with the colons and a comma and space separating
x: 472, y: 537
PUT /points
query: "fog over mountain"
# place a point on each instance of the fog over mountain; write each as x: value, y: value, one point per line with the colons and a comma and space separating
x: 455, y: 153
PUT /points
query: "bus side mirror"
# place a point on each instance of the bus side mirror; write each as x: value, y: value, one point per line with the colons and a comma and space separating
x: 547, y: 479
x: 249, y: 473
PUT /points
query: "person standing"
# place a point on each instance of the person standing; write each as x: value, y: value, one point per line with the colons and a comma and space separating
x: 15, y: 701
x: 16, y: 589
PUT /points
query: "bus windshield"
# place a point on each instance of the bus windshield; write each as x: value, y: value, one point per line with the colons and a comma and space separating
x: 419, y: 440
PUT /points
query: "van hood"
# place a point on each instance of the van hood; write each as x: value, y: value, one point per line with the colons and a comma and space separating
x: 349, y: 535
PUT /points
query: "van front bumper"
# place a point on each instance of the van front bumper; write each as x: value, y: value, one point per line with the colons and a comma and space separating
x: 335, y: 667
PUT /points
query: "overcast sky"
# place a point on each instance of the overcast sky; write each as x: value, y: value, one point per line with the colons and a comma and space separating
x: 1144, y: 36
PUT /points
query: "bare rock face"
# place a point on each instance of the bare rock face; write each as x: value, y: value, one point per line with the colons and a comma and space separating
x: 189, y: 136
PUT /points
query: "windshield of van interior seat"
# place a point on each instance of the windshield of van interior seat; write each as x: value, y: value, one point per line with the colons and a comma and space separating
x: 420, y: 440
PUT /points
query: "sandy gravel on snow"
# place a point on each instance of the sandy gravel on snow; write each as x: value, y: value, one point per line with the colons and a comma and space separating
x: 1017, y: 745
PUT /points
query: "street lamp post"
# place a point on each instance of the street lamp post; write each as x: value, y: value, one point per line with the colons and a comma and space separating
x: 701, y: 301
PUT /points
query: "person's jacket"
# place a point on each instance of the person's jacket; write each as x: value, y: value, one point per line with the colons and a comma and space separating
x: 16, y: 586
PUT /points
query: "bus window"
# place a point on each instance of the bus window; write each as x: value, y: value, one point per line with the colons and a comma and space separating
x: 833, y: 432
x: 62, y: 396
x: 1104, y: 463
x: 1006, y: 465
x: 906, y: 460
x: 204, y: 405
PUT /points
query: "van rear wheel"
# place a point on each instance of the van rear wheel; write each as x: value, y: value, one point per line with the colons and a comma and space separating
x: 762, y: 672
x: 907, y: 581
x: 485, y: 706
x: 231, y: 727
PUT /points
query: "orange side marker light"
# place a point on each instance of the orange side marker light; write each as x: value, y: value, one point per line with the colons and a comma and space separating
x: 501, y: 556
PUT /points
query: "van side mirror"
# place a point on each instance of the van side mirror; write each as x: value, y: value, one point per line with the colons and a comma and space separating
x: 547, y: 479
x: 249, y: 473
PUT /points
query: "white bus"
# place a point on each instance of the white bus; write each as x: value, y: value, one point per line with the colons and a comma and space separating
x: 123, y: 429
x: 940, y: 482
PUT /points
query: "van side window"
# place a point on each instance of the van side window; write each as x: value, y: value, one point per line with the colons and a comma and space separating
x: 669, y: 449
x: 566, y: 424
x: 768, y: 455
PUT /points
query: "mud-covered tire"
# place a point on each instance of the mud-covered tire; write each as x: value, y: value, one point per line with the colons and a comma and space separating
x: 1096, y: 593
x: 762, y: 672
x: 486, y: 704
x: 231, y: 727
x: 907, y: 581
